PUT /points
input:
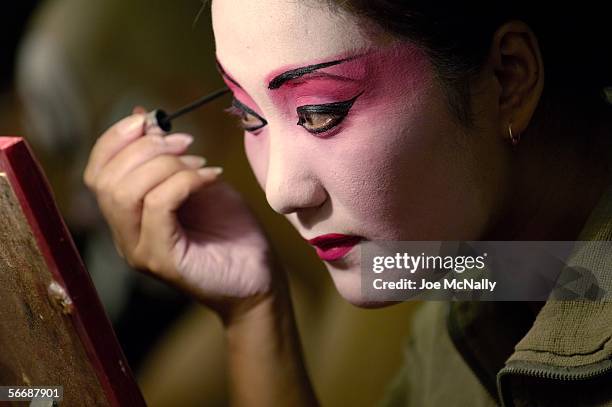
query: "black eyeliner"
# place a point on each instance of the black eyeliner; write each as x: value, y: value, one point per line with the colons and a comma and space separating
x: 238, y: 105
x: 340, y: 109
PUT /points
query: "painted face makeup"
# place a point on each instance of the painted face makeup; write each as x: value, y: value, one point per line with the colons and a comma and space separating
x: 299, y: 85
x: 250, y: 120
x: 348, y: 132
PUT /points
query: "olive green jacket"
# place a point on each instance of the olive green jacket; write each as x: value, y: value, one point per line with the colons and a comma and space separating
x: 506, y: 353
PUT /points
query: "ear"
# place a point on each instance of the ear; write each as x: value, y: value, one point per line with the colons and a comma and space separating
x: 519, y: 72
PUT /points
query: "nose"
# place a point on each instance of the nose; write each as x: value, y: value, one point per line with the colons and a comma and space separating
x: 291, y: 184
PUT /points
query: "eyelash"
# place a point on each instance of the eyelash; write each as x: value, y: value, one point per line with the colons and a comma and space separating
x: 242, y: 111
x: 335, y: 112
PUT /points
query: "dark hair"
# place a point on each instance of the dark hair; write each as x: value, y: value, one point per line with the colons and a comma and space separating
x: 457, y: 36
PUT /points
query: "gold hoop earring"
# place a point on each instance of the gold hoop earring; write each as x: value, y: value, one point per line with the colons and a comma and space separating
x: 515, y: 139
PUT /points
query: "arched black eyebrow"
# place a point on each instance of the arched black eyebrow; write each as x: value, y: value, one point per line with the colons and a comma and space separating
x: 223, y: 73
x: 279, y: 80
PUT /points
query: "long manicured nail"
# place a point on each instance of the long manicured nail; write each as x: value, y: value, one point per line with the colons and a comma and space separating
x: 207, y: 171
x: 179, y: 140
x: 131, y: 124
x: 193, y: 161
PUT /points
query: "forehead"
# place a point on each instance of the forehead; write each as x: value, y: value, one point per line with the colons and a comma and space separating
x: 255, y: 38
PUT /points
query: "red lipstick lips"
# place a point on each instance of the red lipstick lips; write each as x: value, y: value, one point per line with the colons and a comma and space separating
x: 334, y: 246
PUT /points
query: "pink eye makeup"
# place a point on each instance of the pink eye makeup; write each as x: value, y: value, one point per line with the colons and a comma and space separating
x: 318, y: 97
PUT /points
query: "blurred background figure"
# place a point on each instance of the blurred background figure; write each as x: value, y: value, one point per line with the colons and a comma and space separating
x: 12, y: 29
x: 84, y: 65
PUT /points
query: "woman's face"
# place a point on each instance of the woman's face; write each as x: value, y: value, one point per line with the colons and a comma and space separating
x: 349, y: 132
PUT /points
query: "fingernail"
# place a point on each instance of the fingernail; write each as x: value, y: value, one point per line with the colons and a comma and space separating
x: 131, y: 124
x: 179, y: 140
x: 206, y: 171
x: 193, y: 161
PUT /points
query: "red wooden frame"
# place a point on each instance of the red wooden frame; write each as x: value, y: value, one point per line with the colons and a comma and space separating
x: 63, y: 261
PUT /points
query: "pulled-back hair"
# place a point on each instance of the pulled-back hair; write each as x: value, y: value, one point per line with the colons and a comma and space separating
x: 457, y: 36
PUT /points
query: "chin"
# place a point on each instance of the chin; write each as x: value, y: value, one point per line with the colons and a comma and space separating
x: 348, y: 284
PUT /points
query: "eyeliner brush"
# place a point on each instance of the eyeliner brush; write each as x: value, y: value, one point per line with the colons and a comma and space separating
x: 162, y: 119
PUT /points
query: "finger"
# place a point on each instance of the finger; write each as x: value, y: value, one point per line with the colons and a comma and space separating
x: 138, y: 153
x: 155, y: 130
x: 154, y: 172
x: 124, y: 205
x: 139, y: 110
x: 160, y: 230
x: 111, y: 142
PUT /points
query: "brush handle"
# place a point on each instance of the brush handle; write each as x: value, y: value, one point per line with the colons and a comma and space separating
x: 162, y: 119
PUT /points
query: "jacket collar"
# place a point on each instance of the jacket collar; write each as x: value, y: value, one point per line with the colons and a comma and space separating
x: 571, y: 339
x: 566, y: 340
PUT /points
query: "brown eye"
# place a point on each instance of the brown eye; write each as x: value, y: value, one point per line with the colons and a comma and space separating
x: 321, y: 118
x: 249, y: 120
x: 318, y: 122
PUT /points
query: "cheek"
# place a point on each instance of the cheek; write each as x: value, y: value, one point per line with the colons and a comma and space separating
x: 257, y: 155
x: 399, y: 174
x: 363, y: 180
